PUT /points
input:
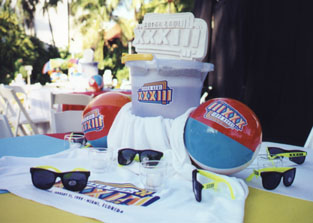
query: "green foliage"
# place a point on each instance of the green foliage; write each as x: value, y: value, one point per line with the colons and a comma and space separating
x: 122, y: 74
x: 113, y: 55
x: 92, y: 17
x: 19, y: 68
x: 44, y: 52
x: 29, y: 9
x: 14, y: 44
x: 18, y: 49
x: 64, y: 54
x: 163, y: 6
x: 53, y: 3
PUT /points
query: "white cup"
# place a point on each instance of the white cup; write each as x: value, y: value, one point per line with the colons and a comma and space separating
x: 100, y: 159
x: 153, y: 174
x: 74, y: 141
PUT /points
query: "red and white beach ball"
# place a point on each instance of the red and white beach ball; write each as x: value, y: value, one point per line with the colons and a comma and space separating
x: 99, y: 115
x: 223, y: 135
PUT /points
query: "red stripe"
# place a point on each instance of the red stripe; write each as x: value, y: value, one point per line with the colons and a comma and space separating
x: 251, y: 134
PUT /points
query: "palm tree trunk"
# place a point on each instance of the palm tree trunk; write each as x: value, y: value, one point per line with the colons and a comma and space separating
x: 68, y: 24
x: 50, y: 25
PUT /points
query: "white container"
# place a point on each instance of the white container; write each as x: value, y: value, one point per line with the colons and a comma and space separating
x: 89, y: 69
x: 165, y: 87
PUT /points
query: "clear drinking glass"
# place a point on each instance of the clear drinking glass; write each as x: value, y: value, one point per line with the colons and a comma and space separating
x: 74, y: 141
x: 153, y: 174
x: 263, y: 162
x: 100, y: 159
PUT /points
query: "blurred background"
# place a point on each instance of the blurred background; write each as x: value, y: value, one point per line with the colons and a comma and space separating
x: 262, y: 50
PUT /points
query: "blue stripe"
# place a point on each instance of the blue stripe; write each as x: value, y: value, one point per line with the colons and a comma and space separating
x: 214, y: 149
x: 102, y: 142
x: 31, y: 146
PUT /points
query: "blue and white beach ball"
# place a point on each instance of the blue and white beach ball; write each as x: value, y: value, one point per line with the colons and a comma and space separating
x: 222, y: 135
x: 96, y: 82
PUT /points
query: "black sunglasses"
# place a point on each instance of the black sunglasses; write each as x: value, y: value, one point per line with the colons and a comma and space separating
x: 43, y: 178
x: 271, y: 177
x: 127, y: 155
x: 196, y: 186
x: 296, y: 156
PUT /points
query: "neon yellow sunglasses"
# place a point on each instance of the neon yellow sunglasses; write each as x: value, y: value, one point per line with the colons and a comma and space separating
x: 271, y: 176
x: 296, y: 156
x: 197, y: 186
x: 44, y: 177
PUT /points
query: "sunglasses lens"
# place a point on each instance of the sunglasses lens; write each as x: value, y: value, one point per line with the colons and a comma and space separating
x: 289, y: 176
x: 270, y: 180
x: 126, y: 156
x: 42, y: 179
x: 150, y: 155
x: 75, y: 181
x: 297, y: 160
x: 196, y: 186
x: 274, y: 150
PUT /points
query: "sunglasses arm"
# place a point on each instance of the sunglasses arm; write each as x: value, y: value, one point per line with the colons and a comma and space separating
x: 210, y: 185
x: 257, y: 173
x: 292, y: 154
x: 274, y: 156
x: 215, y: 185
x: 137, y: 158
x: 79, y: 169
x: 286, y: 154
x: 57, y: 170
x: 49, y: 168
x: 254, y: 173
x: 271, y: 157
x: 217, y: 180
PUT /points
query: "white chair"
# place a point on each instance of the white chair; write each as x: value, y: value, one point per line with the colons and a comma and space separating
x: 6, y: 105
x: 2, y: 105
x: 17, y: 114
x: 309, y: 141
x: 5, y: 129
x: 67, y: 121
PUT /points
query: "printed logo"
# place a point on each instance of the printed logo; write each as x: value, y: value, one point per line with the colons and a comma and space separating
x: 126, y: 194
x: 93, y: 121
x: 155, y: 92
x: 225, y: 115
